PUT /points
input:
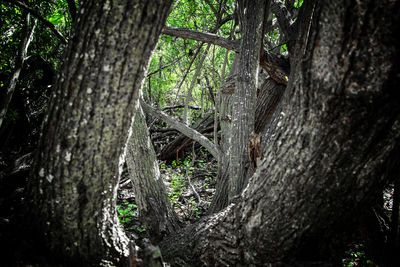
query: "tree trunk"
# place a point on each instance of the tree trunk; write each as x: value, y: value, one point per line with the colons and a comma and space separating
x: 220, y: 199
x: 73, y: 186
x: 332, y: 148
x: 155, y: 209
x: 244, y: 98
x: 268, y: 99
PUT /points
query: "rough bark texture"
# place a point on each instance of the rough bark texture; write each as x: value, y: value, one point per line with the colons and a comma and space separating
x: 220, y: 199
x: 268, y: 98
x: 244, y: 98
x: 73, y: 187
x: 339, y: 130
x: 155, y: 210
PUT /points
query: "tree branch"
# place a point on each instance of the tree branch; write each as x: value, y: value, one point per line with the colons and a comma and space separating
x: 189, y: 132
x: 203, y: 37
x: 180, y: 106
x: 283, y: 17
x: 165, y: 66
x: 277, y: 67
x: 37, y: 15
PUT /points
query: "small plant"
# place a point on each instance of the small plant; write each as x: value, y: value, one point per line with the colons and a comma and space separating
x: 356, y: 256
x: 193, y: 207
x: 125, y: 212
x: 178, y: 184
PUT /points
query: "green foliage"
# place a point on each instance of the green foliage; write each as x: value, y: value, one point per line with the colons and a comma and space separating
x: 170, y: 86
x: 298, y: 3
x: 283, y: 48
x: 126, y: 211
x: 355, y: 256
x: 194, y: 210
x: 178, y: 185
x: 11, y: 24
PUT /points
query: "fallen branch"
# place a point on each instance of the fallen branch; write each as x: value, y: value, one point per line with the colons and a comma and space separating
x: 184, y: 129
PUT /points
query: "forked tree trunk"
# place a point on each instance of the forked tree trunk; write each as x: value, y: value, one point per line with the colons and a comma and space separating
x: 332, y: 149
x: 73, y: 186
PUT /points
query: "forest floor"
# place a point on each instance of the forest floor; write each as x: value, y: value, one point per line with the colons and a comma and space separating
x: 190, y: 186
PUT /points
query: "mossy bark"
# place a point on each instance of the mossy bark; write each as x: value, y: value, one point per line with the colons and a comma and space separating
x: 73, y: 187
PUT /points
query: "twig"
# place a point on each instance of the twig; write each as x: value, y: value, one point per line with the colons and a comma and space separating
x: 37, y: 15
x: 166, y: 66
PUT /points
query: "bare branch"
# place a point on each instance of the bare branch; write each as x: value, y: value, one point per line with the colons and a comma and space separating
x: 184, y: 129
x: 180, y: 106
x: 166, y: 66
x: 203, y: 37
x: 283, y: 17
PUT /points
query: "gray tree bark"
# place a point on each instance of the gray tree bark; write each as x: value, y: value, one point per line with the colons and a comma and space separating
x: 220, y: 199
x: 155, y: 209
x: 73, y: 187
x: 244, y: 98
x: 332, y: 149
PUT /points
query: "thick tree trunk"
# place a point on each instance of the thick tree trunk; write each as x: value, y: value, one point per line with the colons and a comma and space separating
x: 73, y: 186
x: 332, y: 149
x: 155, y: 209
x: 269, y: 97
x: 244, y: 98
